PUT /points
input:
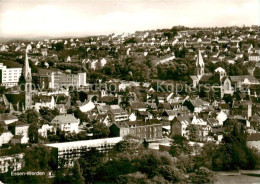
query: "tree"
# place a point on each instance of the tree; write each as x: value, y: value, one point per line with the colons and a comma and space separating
x: 76, y: 174
x: 132, y: 178
x: 59, y: 46
x: 32, y: 116
x: 33, y: 133
x: 48, y: 113
x: 193, y: 132
x: 202, y: 175
x: 100, y: 130
x: 233, y: 153
x: 179, y: 145
x: 257, y: 73
x: 89, y: 163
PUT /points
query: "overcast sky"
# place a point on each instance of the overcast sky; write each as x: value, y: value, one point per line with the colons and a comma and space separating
x: 88, y: 17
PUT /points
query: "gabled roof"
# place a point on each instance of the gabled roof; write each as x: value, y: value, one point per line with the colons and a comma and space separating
x: 138, y: 105
x: 6, y: 116
x: 241, y: 78
x: 67, y: 118
x: 185, y: 119
x: 165, y: 106
x: 170, y: 113
x: 205, y: 77
x: 199, y: 102
x: 121, y: 125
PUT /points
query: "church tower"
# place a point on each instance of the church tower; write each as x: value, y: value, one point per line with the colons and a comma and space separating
x: 28, y: 82
x: 199, y: 65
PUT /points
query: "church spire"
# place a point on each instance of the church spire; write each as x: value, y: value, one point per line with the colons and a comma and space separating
x: 199, y: 61
x: 199, y: 65
x: 27, y: 70
x: 28, y: 80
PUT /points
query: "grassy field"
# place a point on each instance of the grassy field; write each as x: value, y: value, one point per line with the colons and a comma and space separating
x: 242, y: 177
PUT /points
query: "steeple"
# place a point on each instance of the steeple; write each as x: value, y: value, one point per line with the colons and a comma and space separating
x: 199, y: 65
x: 199, y: 61
x: 27, y: 70
x: 28, y: 80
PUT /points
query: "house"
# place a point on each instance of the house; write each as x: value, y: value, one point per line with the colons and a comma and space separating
x: 196, y: 105
x: 148, y: 130
x: 145, y: 115
x: 168, y: 115
x: 253, y: 141
x: 164, y: 106
x: 67, y: 123
x: 203, y: 128
x: 138, y: 106
x: 22, y: 129
x: 44, y: 101
x: 118, y: 115
x: 5, y: 137
x: 19, y: 139
x: 8, y: 118
x: 218, y: 133
x: 103, y: 109
x: 179, y: 125
x: 119, y: 129
x: 103, y: 118
x: 43, y: 129
x: 213, y: 122
x: 243, y: 79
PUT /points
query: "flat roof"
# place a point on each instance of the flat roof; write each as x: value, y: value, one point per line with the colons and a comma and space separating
x: 78, y: 144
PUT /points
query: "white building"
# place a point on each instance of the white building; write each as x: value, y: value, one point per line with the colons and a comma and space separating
x: 66, y: 123
x: 15, y: 162
x: 59, y: 79
x: 44, y: 129
x: 50, y: 104
x: 5, y: 137
x: 21, y: 129
x: 77, y: 148
x: 10, y: 76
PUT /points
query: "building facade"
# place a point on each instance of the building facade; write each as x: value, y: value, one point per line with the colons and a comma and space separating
x: 15, y: 162
x: 59, y: 79
x: 66, y: 123
x: 9, y: 76
x: 70, y: 151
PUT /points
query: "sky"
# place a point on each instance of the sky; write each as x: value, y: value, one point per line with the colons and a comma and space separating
x: 32, y: 18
